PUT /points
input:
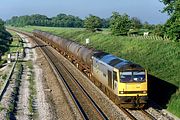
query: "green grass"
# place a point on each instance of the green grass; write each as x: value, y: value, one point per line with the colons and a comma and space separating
x: 161, y: 58
x: 174, y: 103
x: 1, y: 107
x: 32, y: 91
x: 13, y: 101
x: 4, y: 76
x: 14, y: 46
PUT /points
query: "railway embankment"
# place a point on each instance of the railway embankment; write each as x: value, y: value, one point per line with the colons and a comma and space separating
x: 22, y: 98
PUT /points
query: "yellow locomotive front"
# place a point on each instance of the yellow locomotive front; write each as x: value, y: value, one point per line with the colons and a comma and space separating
x: 125, y: 82
x: 132, y: 88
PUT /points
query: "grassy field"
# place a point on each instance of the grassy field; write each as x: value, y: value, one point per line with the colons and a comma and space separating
x: 160, y: 57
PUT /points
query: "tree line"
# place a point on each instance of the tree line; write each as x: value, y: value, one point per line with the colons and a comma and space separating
x: 119, y: 24
x: 62, y: 20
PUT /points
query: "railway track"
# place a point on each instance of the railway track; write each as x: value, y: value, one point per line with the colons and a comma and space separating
x: 148, y: 115
x: 85, y: 104
x: 133, y: 117
x: 128, y: 113
x: 86, y: 111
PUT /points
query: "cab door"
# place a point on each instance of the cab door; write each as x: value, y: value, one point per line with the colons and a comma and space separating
x: 113, y: 80
x: 110, y: 79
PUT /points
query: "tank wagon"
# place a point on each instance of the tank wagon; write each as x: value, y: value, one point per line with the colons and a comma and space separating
x: 123, y: 81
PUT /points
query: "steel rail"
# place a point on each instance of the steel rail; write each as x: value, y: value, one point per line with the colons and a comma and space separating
x: 147, y: 114
x: 77, y: 104
x: 82, y: 112
x: 128, y: 113
x: 6, y: 83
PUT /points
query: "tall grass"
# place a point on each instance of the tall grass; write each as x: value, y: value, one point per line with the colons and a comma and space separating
x: 32, y: 91
x: 174, y: 104
x: 161, y: 58
x: 11, y: 111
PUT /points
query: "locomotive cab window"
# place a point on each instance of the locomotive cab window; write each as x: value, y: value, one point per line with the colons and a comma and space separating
x: 132, y: 76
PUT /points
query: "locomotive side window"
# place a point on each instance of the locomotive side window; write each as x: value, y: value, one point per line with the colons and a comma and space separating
x: 115, y: 75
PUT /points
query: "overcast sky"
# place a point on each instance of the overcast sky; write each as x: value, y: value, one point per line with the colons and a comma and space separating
x: 145, y: 10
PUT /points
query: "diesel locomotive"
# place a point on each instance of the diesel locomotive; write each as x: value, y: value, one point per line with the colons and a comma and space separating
x: 123, y: 81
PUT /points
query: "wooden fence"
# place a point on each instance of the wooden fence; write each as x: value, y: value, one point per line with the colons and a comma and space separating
x: 151, y: 37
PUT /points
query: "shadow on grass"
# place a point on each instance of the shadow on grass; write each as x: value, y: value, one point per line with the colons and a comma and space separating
x: 2, y: 65
x: 160, y: 91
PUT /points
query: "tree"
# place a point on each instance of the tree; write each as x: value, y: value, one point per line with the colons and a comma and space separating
x: 120, y: 24
x: 105, y: 22
x: 92, y: 22
x: 4, y: 38
x: 1, y: 24
x: 63, y: 20
x: 172, y: 26
x: 158, y: 30
x: 136, y: 23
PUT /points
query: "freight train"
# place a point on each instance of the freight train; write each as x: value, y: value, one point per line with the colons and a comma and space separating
x: 123, y: 81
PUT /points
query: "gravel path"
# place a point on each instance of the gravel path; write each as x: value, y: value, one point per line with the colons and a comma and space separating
x: 22, y: 104
x: 58, y: 104
x: 43, y: 108
x: 23, y: 97
x: 57, y: 95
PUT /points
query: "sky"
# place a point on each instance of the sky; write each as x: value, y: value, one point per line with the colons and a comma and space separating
x: 145, y: 10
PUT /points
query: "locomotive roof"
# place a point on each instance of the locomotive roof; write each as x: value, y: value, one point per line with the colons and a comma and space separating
x: 116, y: 62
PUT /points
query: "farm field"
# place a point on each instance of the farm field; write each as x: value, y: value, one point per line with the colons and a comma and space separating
x: 160, y: 57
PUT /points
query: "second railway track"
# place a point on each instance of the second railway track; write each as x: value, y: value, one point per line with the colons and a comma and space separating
x: 87, y: 107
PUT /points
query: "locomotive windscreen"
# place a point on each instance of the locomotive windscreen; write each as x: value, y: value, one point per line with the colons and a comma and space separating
x: 132, y: 76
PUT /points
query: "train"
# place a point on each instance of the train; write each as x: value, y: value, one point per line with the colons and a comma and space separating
x: 123, y: 81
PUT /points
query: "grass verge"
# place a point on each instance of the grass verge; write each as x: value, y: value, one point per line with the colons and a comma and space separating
x: 32, y: 91
x: 13, y: 101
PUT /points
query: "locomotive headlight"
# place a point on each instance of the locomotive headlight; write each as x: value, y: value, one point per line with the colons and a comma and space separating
x: 121, y: 92
x: 144, y: 92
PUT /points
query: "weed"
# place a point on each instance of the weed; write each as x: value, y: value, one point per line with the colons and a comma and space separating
x: 4, y: 76
x: 14, y: 94
x: 32, y: 91
x: 1, y: 107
